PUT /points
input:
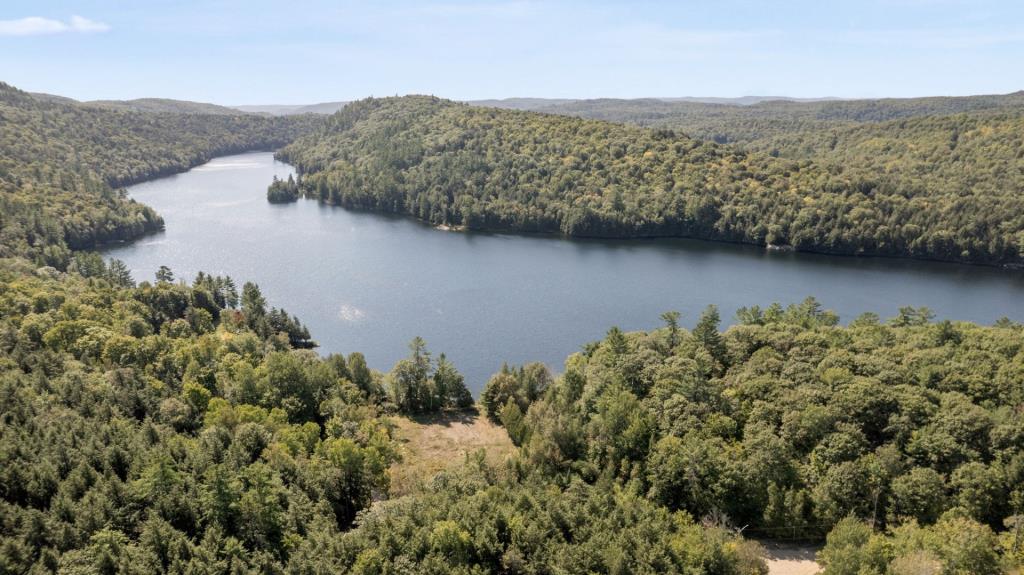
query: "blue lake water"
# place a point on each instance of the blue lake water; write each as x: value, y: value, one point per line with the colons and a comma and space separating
x: 370, y: 283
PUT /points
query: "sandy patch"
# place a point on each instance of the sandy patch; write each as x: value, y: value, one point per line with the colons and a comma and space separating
x: 430, y: 444
x: 790, y: 558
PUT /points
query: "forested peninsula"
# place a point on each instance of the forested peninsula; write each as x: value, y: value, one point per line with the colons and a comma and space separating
x: 509, y: 170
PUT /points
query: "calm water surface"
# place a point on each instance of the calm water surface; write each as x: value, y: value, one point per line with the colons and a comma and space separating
x: 369, y: 283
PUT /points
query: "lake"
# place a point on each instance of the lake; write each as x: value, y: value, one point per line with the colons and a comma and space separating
x: 370, y: 283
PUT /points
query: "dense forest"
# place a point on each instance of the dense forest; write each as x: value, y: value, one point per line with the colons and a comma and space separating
x: 182, y: 425
x: 914, y: 141
x: 178, y: 428
x: 968, y: 150
x: 492, y: 169
x: 790, y: 424
x: 189, y: 428
x: 61, y: 164
x: 182, y: 428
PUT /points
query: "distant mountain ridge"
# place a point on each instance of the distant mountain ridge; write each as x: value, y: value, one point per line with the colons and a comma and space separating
x: 172, y: 106
x: 291, y: 110
x: 516, y: 104
x: 657, y: 111
x: 677, y: 112
x: 540, y: 103
x: 164, y: 105
x: 750, y: 100
x: 150, y: 105
x: 759, y: 126
x: 654, y: 111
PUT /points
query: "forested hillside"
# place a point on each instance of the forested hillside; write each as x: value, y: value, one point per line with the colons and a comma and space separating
x: 966, y: 146
x: 182, y: 425
x: 62, y: 162
x: 757, y: 123
x: 788, y: 423
x: 491, y: 169
x: 966, y: 150
x: 182, y: 429
x: 162, y: 106
x: 187, y: 428
x: 977, y: 155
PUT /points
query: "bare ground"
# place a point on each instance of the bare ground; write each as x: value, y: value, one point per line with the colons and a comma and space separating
x: 430, y: 444
x: 790, y: 558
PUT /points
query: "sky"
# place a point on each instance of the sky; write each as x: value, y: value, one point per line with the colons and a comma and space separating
x: 297, y: 52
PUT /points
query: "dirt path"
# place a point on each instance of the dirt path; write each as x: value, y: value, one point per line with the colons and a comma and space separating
x: 432, y: 444
x: 790, y: 558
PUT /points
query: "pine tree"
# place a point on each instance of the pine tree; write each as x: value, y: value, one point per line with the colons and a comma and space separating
x: 706, y: 332
x: 119, y: 274
x: 164, y: 275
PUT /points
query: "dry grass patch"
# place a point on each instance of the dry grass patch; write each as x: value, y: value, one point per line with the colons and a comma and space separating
x: 433, y: 443
x: 791, y: 558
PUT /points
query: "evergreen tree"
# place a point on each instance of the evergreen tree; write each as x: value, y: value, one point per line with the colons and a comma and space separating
x: 119, y: 274
x: 671, y: 319
x: 706, y: 332
x: 164, y: 275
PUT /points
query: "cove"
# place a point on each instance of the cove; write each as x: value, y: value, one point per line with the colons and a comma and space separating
x: 370, y: 283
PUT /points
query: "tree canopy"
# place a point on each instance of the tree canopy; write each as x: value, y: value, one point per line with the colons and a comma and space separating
x: 789, y: 423
x: 62, y: 164
x: 932, y: 187
x: 183, y: 425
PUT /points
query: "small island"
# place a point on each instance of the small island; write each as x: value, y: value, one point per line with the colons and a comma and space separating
x: 283, y: 191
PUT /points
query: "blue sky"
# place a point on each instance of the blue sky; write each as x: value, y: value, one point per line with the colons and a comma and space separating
x: 258, y: 52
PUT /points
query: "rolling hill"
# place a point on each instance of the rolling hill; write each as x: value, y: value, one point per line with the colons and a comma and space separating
x: 496, y: 169
x: 61, y: 162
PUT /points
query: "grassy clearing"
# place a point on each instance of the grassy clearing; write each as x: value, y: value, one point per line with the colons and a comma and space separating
x: 433, y: 443
x: 791, y: 558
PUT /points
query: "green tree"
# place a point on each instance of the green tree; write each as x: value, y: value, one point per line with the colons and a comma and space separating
x: 500, y: 389
x: 409, y: 380
x: 450, y: 385
x: 919, y: 494
x: 671, y: 319
x: 706, y: 332
x: 119, y: 274
x: 261, y: 519
x: 511, y: 417
x: 164, y: 275
x: 851, y: 549
x: 254, y: 307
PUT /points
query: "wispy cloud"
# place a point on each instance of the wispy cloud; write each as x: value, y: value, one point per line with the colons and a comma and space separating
x: 668, y: 38
x: 938, y: 38
x: 511, y: 8
x: 36, y: 26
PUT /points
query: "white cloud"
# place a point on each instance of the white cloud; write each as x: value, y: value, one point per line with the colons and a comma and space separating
x: 31, y: 26
x: 35, y: 26
x: 675, y: 38
x: 79, y: 24
x: 491, y: 10
x: 934, y: 38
